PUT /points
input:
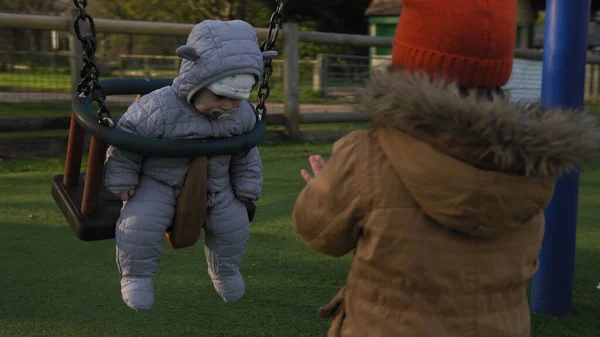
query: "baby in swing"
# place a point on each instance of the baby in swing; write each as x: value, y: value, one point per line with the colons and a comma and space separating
x: 221, y: 65
x: 442, y: 201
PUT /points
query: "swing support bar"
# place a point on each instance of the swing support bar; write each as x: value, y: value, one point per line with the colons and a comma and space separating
x: 563, y: 85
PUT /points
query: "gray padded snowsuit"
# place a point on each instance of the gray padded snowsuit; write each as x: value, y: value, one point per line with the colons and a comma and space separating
x: 214, y: 49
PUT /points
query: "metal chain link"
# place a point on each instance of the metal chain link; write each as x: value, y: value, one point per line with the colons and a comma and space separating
x: 89, y: 72
x: 269, y: 44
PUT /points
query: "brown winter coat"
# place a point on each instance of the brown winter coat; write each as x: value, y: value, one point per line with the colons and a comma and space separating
x: 442, y: 203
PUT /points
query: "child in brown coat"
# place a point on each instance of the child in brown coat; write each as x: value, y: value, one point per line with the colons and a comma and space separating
x: 442, y: 200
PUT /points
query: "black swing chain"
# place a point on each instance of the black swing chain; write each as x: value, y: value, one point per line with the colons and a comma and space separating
x: 89, y: 72
x: 268, y: 45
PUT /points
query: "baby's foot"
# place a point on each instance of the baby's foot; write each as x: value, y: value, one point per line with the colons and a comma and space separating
x: 137, y: 292
x: 231, y: 289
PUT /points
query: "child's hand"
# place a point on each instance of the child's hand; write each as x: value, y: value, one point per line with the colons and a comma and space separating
x: 125, y: 195
x: 316, y: 164
x: 243, y: 199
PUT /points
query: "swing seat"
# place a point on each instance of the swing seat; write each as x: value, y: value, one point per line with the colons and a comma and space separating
x: 100, y: 226
x: 92, y: 212
x: 186, y: 226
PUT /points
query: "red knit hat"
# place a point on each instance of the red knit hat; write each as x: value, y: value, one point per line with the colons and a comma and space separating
x: 470, y: 42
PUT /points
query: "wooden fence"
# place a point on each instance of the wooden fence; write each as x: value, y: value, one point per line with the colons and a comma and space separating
x: 592, y: 83
x: 291, y: 36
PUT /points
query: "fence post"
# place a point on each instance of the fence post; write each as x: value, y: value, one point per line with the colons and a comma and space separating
x: 588, y: 81
x: 291, y: 82
x: 595, y: 83
x: 318, y: 74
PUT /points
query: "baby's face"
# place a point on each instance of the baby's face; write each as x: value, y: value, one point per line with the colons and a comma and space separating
x: 214, y: 106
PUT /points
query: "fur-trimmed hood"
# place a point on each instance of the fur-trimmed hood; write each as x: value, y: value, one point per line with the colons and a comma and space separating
x: 475, y: 166
x: 500, y: 135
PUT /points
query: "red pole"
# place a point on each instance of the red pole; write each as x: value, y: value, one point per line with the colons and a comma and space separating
x: 93, y: 177
x: 74, y: 153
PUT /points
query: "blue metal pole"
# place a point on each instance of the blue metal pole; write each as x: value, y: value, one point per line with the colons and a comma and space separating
x: 565, y: 44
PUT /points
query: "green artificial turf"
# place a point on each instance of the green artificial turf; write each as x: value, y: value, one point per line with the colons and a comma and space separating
x: 52, y: 284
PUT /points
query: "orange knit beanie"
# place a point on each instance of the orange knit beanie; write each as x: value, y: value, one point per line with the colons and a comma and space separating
x: 470, y: 42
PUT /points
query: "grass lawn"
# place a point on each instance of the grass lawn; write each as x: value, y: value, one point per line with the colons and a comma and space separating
x: 33, y: 81
x: 52, y: 284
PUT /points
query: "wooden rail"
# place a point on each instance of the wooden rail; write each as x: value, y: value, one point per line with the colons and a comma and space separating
x: 62, y: 23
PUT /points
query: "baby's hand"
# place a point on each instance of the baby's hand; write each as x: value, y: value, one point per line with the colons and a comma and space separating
x: 243, y: 199
x: 125, y: 195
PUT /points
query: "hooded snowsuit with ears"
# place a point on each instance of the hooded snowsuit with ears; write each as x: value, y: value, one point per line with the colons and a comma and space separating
x: 214, y: 49
x: 442, y: 203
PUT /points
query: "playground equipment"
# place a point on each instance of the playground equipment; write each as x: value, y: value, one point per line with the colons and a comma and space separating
x: 563, y: 80
x: 92, y: 212
x: 563, y: 85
